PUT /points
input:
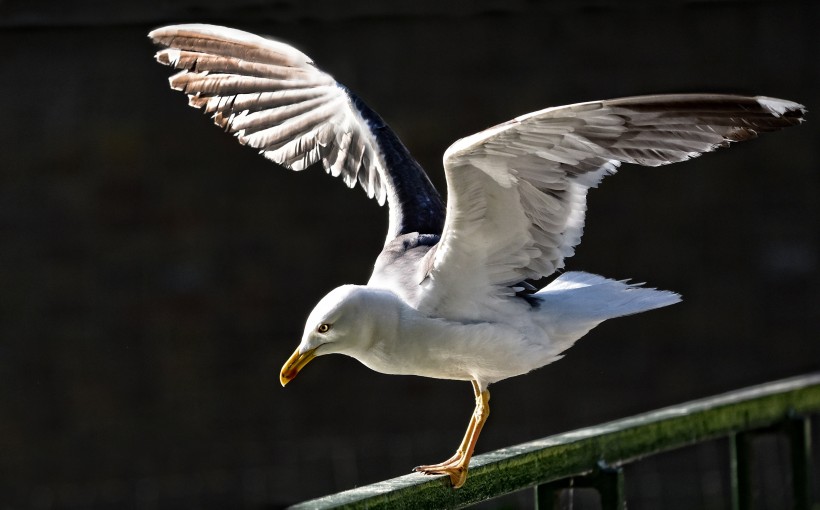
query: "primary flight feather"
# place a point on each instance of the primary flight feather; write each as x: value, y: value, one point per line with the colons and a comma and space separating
x: 451, y: 295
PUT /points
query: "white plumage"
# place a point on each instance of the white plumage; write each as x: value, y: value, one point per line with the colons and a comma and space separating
x: 452, y: 295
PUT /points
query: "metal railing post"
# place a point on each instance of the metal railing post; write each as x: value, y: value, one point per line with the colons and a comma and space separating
x: 741, y: 470
x: 610, y: 484
x: 548, y: 495
x: 607, y: 480
x: 798, y: 430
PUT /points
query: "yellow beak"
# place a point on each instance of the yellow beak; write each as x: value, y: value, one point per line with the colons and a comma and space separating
x: 294, y: 364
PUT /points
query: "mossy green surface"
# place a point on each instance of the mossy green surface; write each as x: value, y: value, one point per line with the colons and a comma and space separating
x: 580, y: 452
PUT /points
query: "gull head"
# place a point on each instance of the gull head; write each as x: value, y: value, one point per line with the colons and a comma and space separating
x: 345, y: 321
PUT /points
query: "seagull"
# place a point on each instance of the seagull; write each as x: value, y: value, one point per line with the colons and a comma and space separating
x: 453, y: 292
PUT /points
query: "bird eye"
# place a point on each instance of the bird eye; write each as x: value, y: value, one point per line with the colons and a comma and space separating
x: 323, y: 328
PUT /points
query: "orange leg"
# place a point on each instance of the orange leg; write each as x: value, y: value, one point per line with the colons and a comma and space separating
x: 464, y: 442
x: 456, y: 466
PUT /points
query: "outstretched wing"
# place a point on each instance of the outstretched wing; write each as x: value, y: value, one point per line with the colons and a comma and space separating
x: 272, y: 97
x: 517, y: 191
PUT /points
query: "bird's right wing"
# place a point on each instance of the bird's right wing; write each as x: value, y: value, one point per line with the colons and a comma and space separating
x: 517, y: 191
x: 274, y: 99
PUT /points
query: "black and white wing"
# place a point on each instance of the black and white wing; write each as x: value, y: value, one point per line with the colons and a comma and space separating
x: 274, y: 99
x: 517, y: 191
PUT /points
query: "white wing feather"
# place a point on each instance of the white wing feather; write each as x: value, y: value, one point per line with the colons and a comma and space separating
x: 517, y: 191
x: 272, y: 97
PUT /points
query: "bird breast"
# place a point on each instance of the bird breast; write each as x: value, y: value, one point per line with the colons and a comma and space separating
x: 444, y: 349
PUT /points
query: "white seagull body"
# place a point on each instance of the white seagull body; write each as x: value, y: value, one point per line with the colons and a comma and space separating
x: 451, y: 294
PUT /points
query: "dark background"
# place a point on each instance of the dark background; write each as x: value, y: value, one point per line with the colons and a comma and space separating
x: 155, y: 275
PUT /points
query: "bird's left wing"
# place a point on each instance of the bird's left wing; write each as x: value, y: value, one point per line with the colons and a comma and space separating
x: 274, y: 99
x: 517, y: 191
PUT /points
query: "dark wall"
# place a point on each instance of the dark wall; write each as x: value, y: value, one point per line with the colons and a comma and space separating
x: 154, y: 275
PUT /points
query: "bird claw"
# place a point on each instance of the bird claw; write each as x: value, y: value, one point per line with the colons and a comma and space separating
x: 456, y: 459
x: 457, y: 474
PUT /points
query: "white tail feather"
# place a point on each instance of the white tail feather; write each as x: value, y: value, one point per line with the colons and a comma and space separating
x: 576, y: 302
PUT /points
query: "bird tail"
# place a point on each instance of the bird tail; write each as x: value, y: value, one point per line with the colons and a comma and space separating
x: 576, y: 302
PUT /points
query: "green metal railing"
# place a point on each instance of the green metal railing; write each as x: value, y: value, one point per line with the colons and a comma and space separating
x: 595, y: 456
